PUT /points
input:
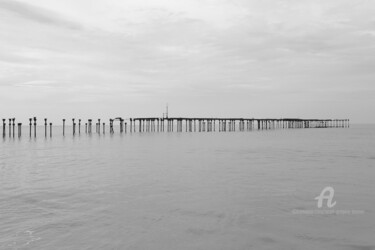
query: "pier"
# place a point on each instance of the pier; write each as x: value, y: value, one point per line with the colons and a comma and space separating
x: 181, y: 124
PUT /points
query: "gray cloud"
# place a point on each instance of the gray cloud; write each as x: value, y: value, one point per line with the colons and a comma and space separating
x: 242, y: 58
x: 37, y: 14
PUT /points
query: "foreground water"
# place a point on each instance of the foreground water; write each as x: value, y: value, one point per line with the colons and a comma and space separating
x: 240, y: 190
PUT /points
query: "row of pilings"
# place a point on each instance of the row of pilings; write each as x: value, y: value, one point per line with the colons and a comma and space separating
x: 177, y: 124
x: 229, y: 124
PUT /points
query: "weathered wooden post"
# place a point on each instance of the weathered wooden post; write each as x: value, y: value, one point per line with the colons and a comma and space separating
x: 63, y: 127
x: 86, y: 127
x: 50, y: 129
x: 19, y: 129
x: 45, y: 127
x: 103, y: 128
x: 35, y: 127
x: 3, y: 127
x: 74, y: 126
x: 79, y: 126
x: 99, y: 126
x: 89, y: 126
x: 30, y: 119
x: 14, y: 125
x: 10, y: 127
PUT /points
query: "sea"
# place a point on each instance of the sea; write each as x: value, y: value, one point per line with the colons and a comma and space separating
x: 270, y: 189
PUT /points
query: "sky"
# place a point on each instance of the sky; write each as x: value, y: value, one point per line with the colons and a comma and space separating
x: 212, y: 58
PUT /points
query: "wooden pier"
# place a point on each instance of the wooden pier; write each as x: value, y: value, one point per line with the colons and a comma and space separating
x: 183, y: 124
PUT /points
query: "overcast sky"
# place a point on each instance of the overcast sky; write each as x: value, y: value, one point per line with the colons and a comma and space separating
x: 242, y: 58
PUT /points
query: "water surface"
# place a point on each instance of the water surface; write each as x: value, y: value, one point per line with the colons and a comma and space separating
x: 234, y: 190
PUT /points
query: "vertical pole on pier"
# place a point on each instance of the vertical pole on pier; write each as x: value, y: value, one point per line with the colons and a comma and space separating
x: 45, y: 127
x: 79, y: 126
x: 35, y: 127
x: 50, y: 129
x: 99, y: 126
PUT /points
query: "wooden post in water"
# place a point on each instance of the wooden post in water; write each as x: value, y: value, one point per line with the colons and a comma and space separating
x: 63, y: 127
x: 3, y: 127
x: 99, y: 126
x: 30, y: 119
x: 50, y: 129
x: 79, y: 126
x: 89, y: 126
x: 14, y: 125
x: 10, y: 127
x: 19, y: 129
x: 86, y: 127
x: 74, y: 127
x: 45, y: 127
x: 103, y: 128
x: 34, y: 127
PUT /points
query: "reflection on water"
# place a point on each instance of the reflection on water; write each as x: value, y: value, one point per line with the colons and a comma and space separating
x: 187, y: 190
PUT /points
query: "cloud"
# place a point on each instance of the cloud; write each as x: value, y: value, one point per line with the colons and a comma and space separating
x: 36, y: 83
x: 37, y: 14
x: 136, y: 52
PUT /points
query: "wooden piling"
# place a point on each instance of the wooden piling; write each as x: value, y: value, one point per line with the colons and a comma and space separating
x: 19, y: 129
x: 89, y: 126
x: 14, y: 125
x: 63, y: 127
x: 74, y: 126
x: 4, y: 126
x: 45, y: 127
x: 50, y: 129
x: 34, y: 127
x: 10, y: 127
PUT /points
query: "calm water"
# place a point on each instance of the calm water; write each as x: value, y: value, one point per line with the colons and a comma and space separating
x: 235, y: 190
